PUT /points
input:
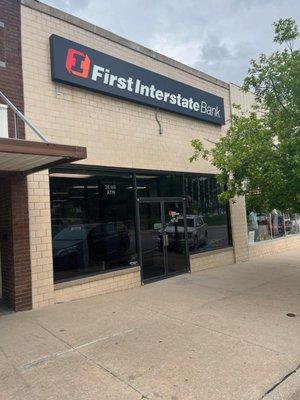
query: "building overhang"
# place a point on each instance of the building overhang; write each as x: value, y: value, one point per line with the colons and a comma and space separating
x: 26, y: 157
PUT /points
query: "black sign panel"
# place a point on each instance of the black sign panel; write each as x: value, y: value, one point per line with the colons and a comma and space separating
x: 84, y: 67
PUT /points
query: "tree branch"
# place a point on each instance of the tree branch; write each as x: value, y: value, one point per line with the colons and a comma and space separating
x: 277, y: 95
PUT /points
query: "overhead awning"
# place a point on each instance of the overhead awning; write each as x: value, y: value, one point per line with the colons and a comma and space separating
x: 26, y: 157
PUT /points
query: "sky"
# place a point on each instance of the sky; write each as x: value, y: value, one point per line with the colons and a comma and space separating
x: 218, y: 37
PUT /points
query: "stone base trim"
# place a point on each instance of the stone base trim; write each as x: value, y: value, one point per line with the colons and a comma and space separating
x: 274, y: 246
x: 212, y: 259
x: 97, y: 284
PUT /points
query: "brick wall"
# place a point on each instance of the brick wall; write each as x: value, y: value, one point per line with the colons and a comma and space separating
x: 116, y: 132
x: 40, y: 240
x: 14, y: 219
x: 6, y: 252
x: 239, y: 229
x: 11, y: 81
x: 92, y: 286
x: 211, y: 259
x: 275, y: 246
x: 15, y: 250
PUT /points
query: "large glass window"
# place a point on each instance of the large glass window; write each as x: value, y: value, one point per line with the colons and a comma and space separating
x: 152, y: 185
x: 159, y: 185
x: 259, y: 226
x: 207, y: 218
x: 93, y: 226
x: 266, y: 226
x: 93, y: 218
x: 292, y: 224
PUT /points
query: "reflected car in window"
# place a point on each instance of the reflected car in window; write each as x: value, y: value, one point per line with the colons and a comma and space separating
x: 78, y: 246
x: 196, y: 231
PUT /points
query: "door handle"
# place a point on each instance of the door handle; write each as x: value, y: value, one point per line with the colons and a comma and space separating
x: 165, y: 240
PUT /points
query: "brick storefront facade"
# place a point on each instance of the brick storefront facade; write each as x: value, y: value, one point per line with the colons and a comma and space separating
x: 15, y: 249
x: 14, y: 217
x: 118, y: 134
x: 11, y: 76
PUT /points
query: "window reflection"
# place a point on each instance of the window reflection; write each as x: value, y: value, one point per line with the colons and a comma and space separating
x: 259, y: 226
x: 266, y: 226
x: 292, y: 224
x: 92, y: 223
x: 277, y: 224
x: 207, y: 219
x: 159, y: 185
x: 93, y: 227
x: 206, y: 215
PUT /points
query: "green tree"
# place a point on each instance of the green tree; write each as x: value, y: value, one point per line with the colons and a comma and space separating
x: 260, y: 155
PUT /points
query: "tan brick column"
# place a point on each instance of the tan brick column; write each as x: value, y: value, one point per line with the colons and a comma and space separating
x: 40, y: 240
x: 239, y: 229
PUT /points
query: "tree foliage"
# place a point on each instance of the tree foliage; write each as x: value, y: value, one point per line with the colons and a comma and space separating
x: 260, y: 155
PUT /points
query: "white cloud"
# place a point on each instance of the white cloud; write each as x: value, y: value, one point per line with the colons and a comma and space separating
x: 218, y: 36
x: 185, y: 52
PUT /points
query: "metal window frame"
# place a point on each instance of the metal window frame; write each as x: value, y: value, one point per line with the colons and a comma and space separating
x: 76, y: 168
x: 162, y: 201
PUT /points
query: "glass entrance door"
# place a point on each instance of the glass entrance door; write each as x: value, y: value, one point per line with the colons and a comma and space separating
x: 175, y: 233
x: 163, y: 237
x: 152, y: 253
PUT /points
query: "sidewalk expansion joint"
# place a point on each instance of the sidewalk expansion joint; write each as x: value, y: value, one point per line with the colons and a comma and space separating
x: 39, y: 361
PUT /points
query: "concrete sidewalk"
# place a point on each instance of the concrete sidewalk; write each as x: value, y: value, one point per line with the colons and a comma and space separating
x: 218, y: 334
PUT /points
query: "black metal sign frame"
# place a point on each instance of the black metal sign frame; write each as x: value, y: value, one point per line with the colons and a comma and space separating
x: 81, y: 66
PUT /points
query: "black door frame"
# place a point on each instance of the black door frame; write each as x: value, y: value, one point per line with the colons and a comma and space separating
x: 161, y: 201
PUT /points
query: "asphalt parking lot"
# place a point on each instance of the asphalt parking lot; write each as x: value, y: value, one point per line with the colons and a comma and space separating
x: 221, y: 333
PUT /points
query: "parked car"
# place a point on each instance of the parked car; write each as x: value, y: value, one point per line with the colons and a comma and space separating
x: 196, y: 231
x: 77, y: 246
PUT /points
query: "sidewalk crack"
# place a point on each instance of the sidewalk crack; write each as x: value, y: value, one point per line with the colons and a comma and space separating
x: 280, y: 382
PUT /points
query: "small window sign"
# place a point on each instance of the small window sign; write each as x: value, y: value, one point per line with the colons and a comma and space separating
x: 110, y: 189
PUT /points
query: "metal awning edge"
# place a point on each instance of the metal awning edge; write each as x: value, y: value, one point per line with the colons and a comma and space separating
x: 9, y: 145
x: 65, y: 153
